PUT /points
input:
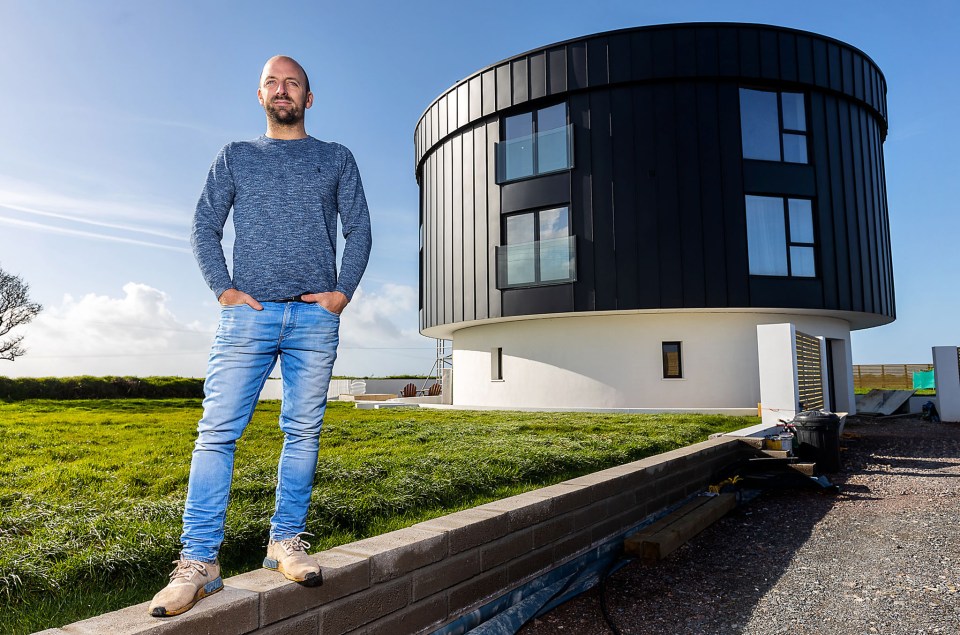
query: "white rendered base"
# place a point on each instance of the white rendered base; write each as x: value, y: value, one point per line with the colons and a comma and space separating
x: 614, y: 361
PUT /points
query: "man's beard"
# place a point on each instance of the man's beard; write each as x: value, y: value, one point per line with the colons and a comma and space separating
x: 289, y: 116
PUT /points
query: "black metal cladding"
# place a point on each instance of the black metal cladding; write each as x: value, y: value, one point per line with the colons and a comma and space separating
x: 657, y: 190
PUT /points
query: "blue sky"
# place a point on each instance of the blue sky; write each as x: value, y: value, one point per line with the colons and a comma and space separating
x: 113, y: 112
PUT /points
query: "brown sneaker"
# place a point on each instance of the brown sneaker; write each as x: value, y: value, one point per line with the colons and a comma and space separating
x: 290, y: 558
x: 190, y: 582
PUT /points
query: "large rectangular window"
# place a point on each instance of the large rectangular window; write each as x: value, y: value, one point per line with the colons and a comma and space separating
x: 534, y: 143
x: 537, y: 249
x: 773, y: 126
x: 780, y: 236
x: 672, y: 364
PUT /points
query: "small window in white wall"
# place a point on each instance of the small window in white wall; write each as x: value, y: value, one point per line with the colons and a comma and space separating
x: 496, y: 364
x: 672, y: 364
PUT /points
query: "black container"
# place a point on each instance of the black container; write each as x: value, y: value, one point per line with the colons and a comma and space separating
x: 818, y: 438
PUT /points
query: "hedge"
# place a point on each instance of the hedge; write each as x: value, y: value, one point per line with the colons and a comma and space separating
x: 88, y: 387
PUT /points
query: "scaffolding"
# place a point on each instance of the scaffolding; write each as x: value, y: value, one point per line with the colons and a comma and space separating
x: 443, y: 361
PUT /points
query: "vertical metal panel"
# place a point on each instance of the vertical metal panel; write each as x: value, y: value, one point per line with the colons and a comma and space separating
x: 601, y: 164
x: 456, y: 229
x: 846, y: 58
x: 641, y: 49
x: 840, y: 231
x: 481, y: 239
x: 664, y: 55
x: 685, y: 53
x: 728, y: 60
x: 707, y: 52
x: 734, y: 214
x: 788, y: 56
x: 749, y: 53
x: 835, y: 67
x: 711, y: 197
x: 489, y: 87
x: 597, y: 71
x: 823, y: 207
x: 581, y: 203
x: 619, y: 58
x: 446, y: 263
x: 850, y: 206
x: 804, y: 60
x: 504, y: 87
x: 426, y: 278
x: 855, y: 149
x: 648, y: 245
x: 451, y: 112
x: 493, y: 220
x: 873, y: 205
x: 521, y: 89
x: 688, y: 196
x: 576, y: 66
x: 538, y: 75
x: 863, y: 217
x: 434, y: 242
x: 626, y: 173
x: 467, y: 237
x: 557, y: 70
x: 668, y: 220
x: 769, y: 55
x: 886, y: 223
x: 890, y: 308
x: 858, y: 63
x: 463, y: 104
x: 444, y: 120
x: 476, y: 97
x: 821, y: 64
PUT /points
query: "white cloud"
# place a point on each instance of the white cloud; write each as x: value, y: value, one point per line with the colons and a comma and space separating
x: 136, y: 334
x: 139, y: 334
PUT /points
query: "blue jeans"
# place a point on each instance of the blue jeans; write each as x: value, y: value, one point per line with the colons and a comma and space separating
x: 248, y: 342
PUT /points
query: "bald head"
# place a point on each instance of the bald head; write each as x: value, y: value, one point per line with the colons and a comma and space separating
x: 285, y: 58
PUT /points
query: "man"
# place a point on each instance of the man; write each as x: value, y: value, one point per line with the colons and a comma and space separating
x: 283, y: 301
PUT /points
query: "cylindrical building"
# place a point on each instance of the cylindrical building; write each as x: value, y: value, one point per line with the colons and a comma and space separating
x: 606, y: 221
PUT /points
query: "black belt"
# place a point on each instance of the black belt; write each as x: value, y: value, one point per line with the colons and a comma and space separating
x: 296, y: 298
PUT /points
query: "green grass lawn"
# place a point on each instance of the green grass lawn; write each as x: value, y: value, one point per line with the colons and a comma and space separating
x: 91, y: 492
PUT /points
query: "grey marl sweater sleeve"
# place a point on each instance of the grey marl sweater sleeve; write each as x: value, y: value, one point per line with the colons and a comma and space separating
x: 355, y: 218
x: 211, y: 215
x: 286, y: 197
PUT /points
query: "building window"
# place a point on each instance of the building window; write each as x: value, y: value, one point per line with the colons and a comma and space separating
x: 672, y: 365
x: 780, y: 237
x: 773, y: 126
x: 496, y: 364
x: 535, y: 143
x: 537, y: 249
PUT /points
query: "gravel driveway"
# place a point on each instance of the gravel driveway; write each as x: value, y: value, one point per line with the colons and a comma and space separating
x: 882, y: 556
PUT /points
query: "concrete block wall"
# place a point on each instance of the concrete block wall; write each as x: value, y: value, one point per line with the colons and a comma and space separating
x: 418, y: 579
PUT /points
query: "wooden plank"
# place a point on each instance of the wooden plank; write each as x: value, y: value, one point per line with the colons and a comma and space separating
x: 681, y: 526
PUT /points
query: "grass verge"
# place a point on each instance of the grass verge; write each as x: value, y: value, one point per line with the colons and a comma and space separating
x: 91, y: 492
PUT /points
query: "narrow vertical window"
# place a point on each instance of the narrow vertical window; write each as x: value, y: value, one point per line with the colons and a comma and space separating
x: 672, y: 364
x: 496, y: 364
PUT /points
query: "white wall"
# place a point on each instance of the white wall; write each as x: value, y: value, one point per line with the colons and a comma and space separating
x: 614, y: 361
x: 779, y: 390
x: 947, y: 377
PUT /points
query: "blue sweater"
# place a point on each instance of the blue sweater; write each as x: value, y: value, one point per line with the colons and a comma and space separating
x: 285, y: 195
